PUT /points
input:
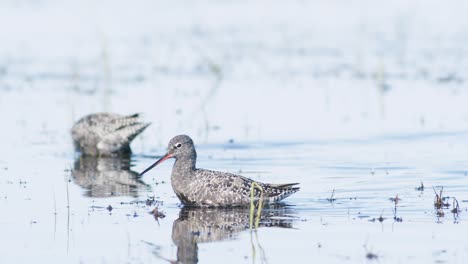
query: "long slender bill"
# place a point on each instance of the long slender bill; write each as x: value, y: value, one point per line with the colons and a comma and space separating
x: 163, y: 158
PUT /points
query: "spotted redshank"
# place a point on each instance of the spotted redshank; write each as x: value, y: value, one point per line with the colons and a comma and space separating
x: 205, y: 188
x: 106, y: 134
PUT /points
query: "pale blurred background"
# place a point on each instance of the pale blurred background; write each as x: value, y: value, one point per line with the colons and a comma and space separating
x: 242, y: 70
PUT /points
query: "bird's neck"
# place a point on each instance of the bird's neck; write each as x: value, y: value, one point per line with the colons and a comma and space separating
x: 185, y: 165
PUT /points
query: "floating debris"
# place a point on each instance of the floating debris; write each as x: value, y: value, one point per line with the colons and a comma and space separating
x: 150, y: 201
x: 456, y: 206
x: 157, y: 214
x: 380, y: 219
x: 370, y: 255
x: 420, y: 187
x: 439, y: 200
x: 396, y: 199
x: 440, y: 213
x: 395, y: 209
x: 331, y: 199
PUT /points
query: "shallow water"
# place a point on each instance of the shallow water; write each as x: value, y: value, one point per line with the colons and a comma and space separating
x: 106, y: 215
x: 360, y: 110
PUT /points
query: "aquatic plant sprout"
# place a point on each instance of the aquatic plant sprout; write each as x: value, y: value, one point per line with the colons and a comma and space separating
x: 252, y: 204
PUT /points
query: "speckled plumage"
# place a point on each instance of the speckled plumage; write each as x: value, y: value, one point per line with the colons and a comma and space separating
x: 106, y: 134
x: 199, y: 187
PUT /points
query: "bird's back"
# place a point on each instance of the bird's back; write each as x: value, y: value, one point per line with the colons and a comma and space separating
x: 215, y: 188
x: 106, y: 133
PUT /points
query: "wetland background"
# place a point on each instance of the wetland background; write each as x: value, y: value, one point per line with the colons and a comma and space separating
x: 359, y: 101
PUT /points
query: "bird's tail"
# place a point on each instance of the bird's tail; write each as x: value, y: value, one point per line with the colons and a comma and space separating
x: 277, y: 192
x: 285, y: 185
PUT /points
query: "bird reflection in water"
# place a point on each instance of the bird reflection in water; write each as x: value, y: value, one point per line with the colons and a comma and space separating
x: 206, y: 225
x: 107, y: 176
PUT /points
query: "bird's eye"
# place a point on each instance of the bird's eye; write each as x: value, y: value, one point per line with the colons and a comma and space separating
x: 178, y: 145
